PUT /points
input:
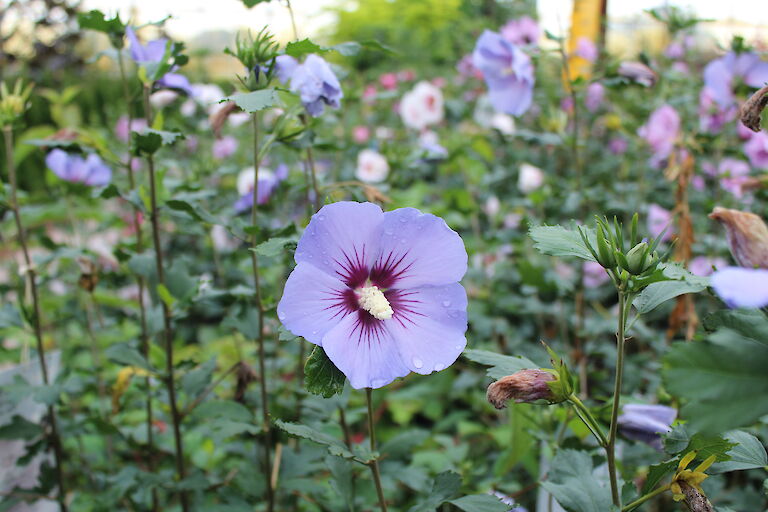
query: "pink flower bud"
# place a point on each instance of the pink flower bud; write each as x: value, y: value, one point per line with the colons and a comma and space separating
x: 747, y: 236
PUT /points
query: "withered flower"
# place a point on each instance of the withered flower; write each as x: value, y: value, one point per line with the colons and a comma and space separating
x: 747, y: 236
x: 524, y: 386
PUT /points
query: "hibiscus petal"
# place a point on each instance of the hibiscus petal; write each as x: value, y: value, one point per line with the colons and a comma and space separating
x: 515, y: 99
x: 98, y: 173
x: 418, y: 249
x: 429, y: 325
x: 313, y: 303
x: 741, y: 287
x: 342, y: 240
x: 58, y: 161
x: 364, y: 351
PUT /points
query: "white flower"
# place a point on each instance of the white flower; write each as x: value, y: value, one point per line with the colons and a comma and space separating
x: 530, y: 178
x: 222, y: 240
x: 422, y: 106
x: 161, y: 99
x: 504, y: 123
x: 245, y: 179
x: 372, y: 167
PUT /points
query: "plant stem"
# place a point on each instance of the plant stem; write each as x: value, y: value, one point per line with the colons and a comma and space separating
x: 642, y: 499
x: 584, y: 415
x: 260, y: 308
x: 181, y: 471
x: 374, y: 464
x: 30, y: 273
x: 611, y: 446
x: 144, y: 336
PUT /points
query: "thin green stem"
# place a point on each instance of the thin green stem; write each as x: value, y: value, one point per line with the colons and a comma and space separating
x: 266, y: 426
x: 611, y: 446
x: 170, y: 382
x: 642, y: 499
x: 374, y: 464
x: 585, y: 416
x: 55, y: 437
x: 144, y: 336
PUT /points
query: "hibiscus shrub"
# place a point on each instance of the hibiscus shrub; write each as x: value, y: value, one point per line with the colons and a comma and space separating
x: 433, y: 263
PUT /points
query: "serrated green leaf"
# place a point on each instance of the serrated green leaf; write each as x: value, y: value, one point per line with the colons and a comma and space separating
x: 500, y: 365
x: 446, y: 484
x: 321, y: 377
x: 149, y: 141
x: 748, y: 453
x: 751, y: 324
x: 657, y: 293
x: 254, y: 101
x: 559, y: 241
x: 95, y: 20
x: 20, y: 428
x: 334, y: 446
x: 275, y: 247
x: 480, y: 503
x: 303, y: 47
x: 657, y: 473
x: 574, y: 484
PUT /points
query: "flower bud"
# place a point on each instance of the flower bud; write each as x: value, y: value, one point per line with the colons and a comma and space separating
x: 747, y: 236
x: 13, y: 103
x: 604, y: 252
x: 525, y: 386
x: 637, y: 259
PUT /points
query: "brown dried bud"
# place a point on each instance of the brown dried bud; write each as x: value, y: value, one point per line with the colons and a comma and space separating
x: 244, y: 375
x: 750, y: 111
x: 89, y: 274
x: 219, y: 116
x: 522, y: 386
x: 694, y: 500
x: 747, y: 236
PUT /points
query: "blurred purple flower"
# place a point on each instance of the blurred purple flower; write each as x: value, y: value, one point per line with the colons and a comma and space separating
x: 659, y: 219
x: 378, y: 291
x: 586, y: 49
x: 466, y: 67
x: 618, y: 145
x: 521, y: 31
x: 703, y: 265
x: 595, y: 96
x: 313, y: 81
x: 224, y: 147
x: 741, y: 287
x: 661, y: 132
x: 89, y: 171
x: 646, y: 423
x: 733, y: 174
x: 720, y: 74
x: 594, y: 274
x: 508, y: 72
x: 743, y: 132
x: 154, y: 52
x: 756, y: 149
x: 268, y: 182
x: 675, y: 50
x: 712, y: 116
x: 123, y: 131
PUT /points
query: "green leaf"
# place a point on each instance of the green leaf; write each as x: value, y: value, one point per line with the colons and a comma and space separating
x: 559, y: 241
x: 575, y: 486
x: 303, y: 47
x: 501, y: 366
x: 95, y: 20
x: 721, y: 378
x: 254, y: 101
x: 251, y: 3
x: 480, y: 503
x: 245, y: 321
x: 149, y: 141
x: 446, y: 484
x: 342, y: 479
x: 195, y: 211
x: 751, y: 324
x: 165, y: 295
x: 749, y: 453
x: 677, y: 439
x: 657, y: 473
x: 195, y: 381
x: 142, y: 265
x: 351, y: 48
x: 224, y: 409
x: 321, y: 377
x: 334, y: 446
x: 9, y: 316
x: 126, y: 355
x: 657, y: 293
x: 275, y: 247
x: 20, y: 428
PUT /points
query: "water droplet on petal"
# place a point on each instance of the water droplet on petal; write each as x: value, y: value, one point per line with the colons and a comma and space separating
x: 321, y: 217
x: 446, y: 303
x: 281, y: 315
x: 314, y: 332
x: 403, y: 241
x: 439, y: 367
x: 389, y: 231
x: 418, y: 363
x: 459, y: 347
x: 403, y: 219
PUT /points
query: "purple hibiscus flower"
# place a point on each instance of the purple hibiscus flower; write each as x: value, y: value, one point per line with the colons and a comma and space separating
x: 594, y: 97
x: 314, y: 82
x: 719, y: 75
x: 646, y: 423
x: 154, y: 52
x: 661, y: 132
x: 268, y: 182
x: 89, y: 171
x: 741, y: 287
x: 521, y: 31
x: 507, y: 71
x: 378, y: 291
x: 712, y: 115
x: 756, y: 149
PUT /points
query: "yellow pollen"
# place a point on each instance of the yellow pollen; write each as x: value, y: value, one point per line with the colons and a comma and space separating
x: 373, y: 301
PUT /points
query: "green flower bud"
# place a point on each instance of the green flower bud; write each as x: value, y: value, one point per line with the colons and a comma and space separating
x: 13, y: 103
x: 638, y: 259
x: 604, y: 251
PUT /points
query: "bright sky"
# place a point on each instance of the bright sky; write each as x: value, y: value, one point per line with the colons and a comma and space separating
x: 190, y: 17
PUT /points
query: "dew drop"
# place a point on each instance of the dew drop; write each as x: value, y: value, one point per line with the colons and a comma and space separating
x: 403, y: 241
x: 389, y: 231
x: 446, y: 303
x: 403, y: 220
x: 314, y: 332
x: 281, y: 315
x: 321, y: 217
x: 459, y: 347
x: 418, y: 363
x: 310, y: 256
x: 439, y: 367
x: 326, y: 262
